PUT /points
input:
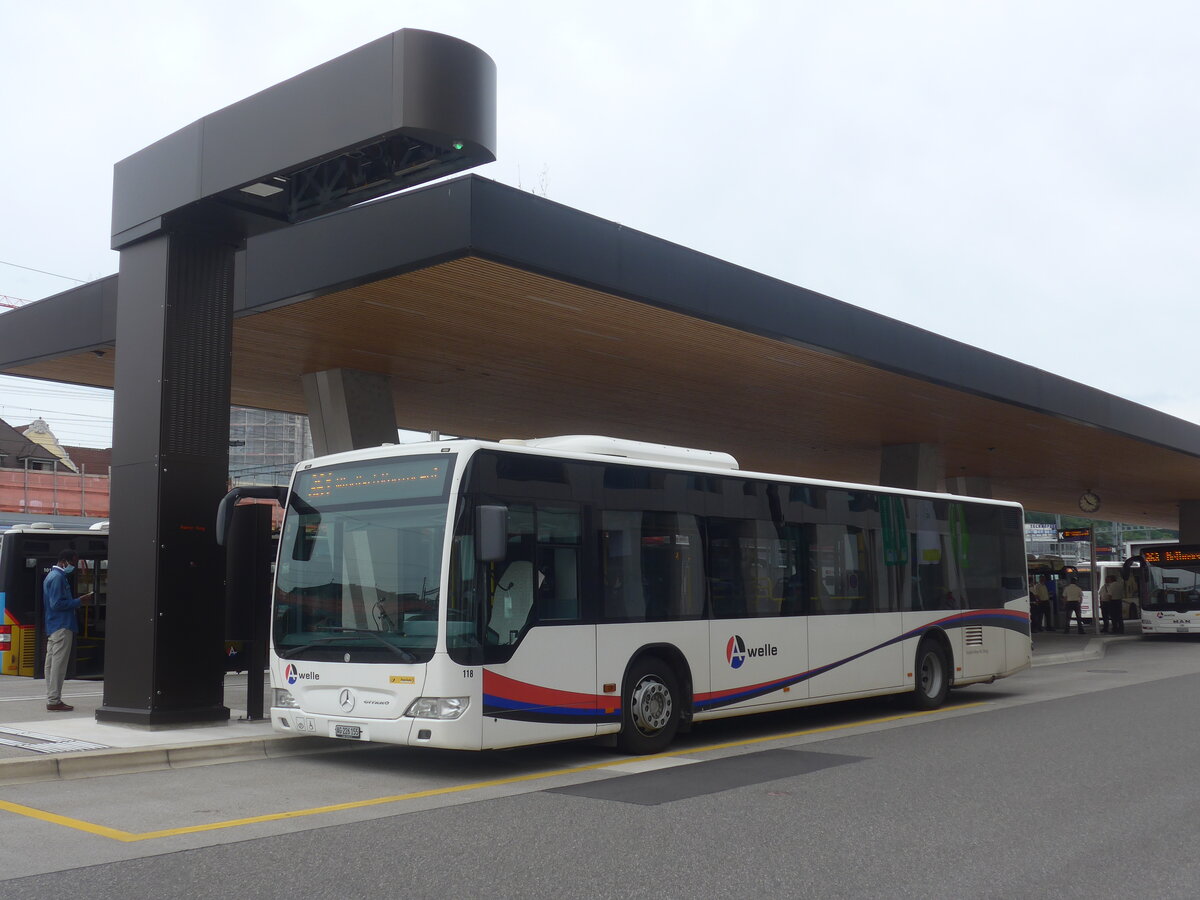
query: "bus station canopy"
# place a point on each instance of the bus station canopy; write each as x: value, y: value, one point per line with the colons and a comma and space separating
x: 497, y: 313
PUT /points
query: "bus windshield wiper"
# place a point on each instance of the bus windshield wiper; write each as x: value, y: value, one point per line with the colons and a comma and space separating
x: 357, y: 632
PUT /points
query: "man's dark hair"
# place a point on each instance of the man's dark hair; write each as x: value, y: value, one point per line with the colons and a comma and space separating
x: 68, y: 556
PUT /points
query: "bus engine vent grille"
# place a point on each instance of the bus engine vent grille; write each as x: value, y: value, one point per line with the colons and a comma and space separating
x: 973, y: 635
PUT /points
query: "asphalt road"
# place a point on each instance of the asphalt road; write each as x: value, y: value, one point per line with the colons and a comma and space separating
x: 1066, y: 781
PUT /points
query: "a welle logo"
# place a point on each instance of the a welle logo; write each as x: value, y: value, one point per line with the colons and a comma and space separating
x: 292, y: 674
x: 736, y: 651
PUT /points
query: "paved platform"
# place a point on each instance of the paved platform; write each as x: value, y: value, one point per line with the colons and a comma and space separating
x: 39, y: 745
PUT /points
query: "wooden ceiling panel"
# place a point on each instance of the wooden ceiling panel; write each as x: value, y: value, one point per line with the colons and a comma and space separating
x: 476, y: 347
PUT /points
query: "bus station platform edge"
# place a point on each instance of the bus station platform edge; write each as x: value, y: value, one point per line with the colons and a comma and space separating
x: 39, y: 745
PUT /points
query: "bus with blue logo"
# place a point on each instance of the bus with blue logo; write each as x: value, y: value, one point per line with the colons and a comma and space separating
x: 473, y: 595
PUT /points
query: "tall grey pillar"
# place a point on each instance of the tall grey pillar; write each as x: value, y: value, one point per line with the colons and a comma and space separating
x: 970, y: 485
x: 349, y: 410
x: 164, y: 660
x: 1189, y: 521
x: 915, y: 466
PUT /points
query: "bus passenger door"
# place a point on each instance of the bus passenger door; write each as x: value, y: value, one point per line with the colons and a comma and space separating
x: 540, y: 685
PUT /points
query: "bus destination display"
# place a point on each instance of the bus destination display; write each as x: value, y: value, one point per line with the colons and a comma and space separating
x: 1167, y: 555
x: 375, y: 481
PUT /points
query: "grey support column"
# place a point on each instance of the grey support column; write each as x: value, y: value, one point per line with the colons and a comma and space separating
x: 915, y: 466
x: 1189, y: 521
x: 349, y: 410
x: 970, y: 485
x: 163, y: 660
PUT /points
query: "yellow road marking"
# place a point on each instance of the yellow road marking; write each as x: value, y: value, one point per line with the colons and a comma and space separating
x: 117, y: 834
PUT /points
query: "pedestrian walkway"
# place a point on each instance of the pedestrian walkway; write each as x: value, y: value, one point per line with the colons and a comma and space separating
x: 39, y: 745
x: 1053, y: 647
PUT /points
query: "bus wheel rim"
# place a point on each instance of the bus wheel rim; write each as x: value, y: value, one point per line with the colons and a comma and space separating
x: 650, y: 706
x: 930, y: 675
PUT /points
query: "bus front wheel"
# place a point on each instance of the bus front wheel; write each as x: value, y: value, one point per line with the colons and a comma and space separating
x: 932, y: 673
x: 649, y: 708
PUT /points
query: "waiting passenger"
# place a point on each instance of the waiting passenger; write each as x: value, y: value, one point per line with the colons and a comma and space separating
x: 1039, y: 606
x: 1072, y: 596
x: 1112, y: 603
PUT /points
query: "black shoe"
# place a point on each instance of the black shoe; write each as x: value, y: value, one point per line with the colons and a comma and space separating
x: 59, y: 707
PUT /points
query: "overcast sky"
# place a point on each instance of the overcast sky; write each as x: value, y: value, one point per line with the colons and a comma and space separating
x: 1020, y: 176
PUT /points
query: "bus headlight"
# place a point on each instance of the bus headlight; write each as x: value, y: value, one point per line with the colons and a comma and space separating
x: 438, y: 707
x: 284, y: 699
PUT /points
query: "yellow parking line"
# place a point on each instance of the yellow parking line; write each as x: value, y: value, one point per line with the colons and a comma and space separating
x: 129, y: 837
x: 67, y: 822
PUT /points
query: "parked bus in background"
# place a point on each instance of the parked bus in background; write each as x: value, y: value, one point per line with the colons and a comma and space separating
x: 26, y: 554
x: 1134, y: 548
x: 1170, y: 575
x: 468, y: 594
x: 1090, y: 586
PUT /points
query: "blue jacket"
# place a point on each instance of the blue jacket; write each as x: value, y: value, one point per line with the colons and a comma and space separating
x: 59, y: 604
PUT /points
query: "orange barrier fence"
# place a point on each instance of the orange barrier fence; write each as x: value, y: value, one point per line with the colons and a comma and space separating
x: 54, y: 493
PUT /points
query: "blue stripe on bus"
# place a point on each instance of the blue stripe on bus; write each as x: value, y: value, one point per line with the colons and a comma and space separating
x: 510, y: 708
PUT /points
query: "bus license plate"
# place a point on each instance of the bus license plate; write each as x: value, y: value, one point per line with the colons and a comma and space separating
x: 1183, y: 629
x: 352, y: 732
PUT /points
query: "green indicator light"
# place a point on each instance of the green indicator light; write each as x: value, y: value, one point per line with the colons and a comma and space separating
x: 457, y: 145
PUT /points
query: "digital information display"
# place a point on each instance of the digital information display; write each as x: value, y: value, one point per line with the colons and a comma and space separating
x: 1176, y: 555
x: 377, y: 481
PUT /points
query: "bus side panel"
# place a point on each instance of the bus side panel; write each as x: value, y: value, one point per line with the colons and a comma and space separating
x: 617, y: 642
x: 1018, y: 652
x: 756, y: 662
x: 522, y: 704
x: 984, y: 651
x: 857, y: 652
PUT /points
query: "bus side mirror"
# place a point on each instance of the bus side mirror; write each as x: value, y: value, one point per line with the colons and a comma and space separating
x: 491, y: 533
x: 257, y: 492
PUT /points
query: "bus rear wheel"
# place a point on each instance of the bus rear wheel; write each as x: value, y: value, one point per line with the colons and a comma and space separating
x: 932, y: 673
x: 649, y: 708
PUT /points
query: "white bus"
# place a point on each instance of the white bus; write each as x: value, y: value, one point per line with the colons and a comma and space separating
x: 473, y: 595
x: 1170, y: 579
x: 1091, y: 586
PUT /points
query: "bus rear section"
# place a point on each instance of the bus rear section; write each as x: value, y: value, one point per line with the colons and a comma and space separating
x: 1170, y: 594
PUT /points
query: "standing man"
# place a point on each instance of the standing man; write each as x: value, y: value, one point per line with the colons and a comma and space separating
x: 1039, y: 606
x: 61, y: 626
x: 1112, y: 603
x: 1072, y: 596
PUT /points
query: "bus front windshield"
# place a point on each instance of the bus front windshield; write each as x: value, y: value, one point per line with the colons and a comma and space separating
x: 360, y: 561
x: 1174, y: 579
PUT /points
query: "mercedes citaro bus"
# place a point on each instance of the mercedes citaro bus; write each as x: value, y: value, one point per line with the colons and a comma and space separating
x: 471, y: 594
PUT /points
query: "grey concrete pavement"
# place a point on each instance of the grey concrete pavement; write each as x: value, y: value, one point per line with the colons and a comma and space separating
x: 39, y: 745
